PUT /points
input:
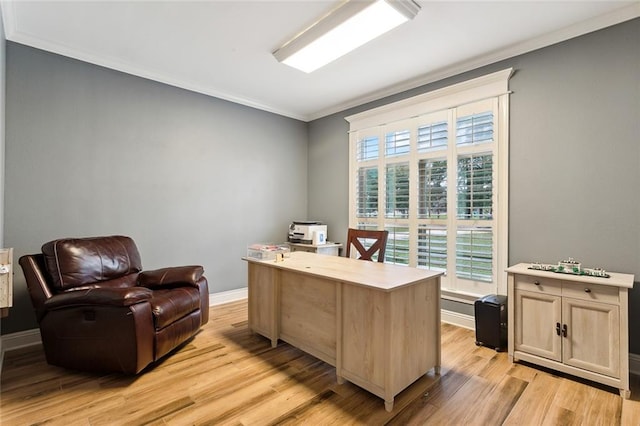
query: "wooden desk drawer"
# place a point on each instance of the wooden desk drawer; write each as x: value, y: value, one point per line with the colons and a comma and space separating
x: 594, y: 292
x: 538, y: 285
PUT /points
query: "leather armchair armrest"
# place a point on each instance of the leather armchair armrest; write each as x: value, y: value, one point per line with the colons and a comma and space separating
x: 99, y: 297
x: 178, y: 275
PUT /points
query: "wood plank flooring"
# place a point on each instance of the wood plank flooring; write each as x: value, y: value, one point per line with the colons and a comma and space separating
x: 229, y: 376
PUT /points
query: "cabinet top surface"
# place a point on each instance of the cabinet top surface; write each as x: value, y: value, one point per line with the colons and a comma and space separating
x: 381, y: 276
x: 327, y: 244
x: 616, y: 279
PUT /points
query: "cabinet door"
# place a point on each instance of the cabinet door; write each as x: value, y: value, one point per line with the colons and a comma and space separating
x: 536, y: 317
x: 593, y: 336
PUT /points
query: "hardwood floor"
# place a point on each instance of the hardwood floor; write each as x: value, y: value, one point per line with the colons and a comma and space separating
x: 229, y: 376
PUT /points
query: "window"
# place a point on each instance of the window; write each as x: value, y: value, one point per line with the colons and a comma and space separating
x: 397, y: 143
x: 475, y: 186
x: 397, y: 190
x: 435, y: 176
x: 432, y: 136
x: 432, y: 247
x: 432, y: 188
x: 367, y: 192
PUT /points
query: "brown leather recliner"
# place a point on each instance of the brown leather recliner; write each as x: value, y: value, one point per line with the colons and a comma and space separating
x: 98, y: 311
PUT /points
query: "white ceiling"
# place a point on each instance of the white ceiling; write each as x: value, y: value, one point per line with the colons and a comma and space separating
x: 224, y: 48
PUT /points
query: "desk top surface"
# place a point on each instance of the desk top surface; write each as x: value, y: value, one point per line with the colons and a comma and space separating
x: 381, y: 276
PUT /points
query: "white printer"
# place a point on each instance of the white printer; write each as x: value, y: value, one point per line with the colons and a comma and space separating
x: 307, y: 232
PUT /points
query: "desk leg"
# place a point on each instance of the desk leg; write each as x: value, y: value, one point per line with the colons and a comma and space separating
x: 339, y: 325
x: 438, y: 342
x: 388, y: 405
x: 275, y: 311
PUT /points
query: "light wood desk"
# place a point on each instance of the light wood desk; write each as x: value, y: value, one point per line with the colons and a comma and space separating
x: 378, y: 324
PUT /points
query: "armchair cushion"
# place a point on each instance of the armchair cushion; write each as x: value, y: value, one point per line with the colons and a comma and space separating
x: 178, y: 275
x: 169, y: 305
x: 98, y: 296
x: 76, y: 262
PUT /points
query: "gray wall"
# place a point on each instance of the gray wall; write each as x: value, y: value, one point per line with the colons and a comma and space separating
x: 193, y: 179
x: 574, y: 155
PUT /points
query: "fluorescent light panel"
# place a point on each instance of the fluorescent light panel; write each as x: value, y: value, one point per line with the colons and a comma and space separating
x: 346, y: 28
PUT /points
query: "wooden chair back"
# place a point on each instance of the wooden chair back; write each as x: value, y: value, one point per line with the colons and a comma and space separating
x: 355, y: 237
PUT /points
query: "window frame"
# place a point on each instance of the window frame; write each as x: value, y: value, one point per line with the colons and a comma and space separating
x: 399, y: 116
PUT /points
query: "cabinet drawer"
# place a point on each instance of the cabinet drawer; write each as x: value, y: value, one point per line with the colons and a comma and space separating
x: 595, y: 292
x: 307, y: 249
x: 538, y: 285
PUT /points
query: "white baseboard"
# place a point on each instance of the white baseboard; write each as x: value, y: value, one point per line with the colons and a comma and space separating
x: 21, y: 339
x: 228, y: 296
x: 18, y: 340
x: 455, y: 318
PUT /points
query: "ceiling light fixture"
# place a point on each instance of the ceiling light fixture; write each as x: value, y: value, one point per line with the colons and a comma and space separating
x: 347, y: 27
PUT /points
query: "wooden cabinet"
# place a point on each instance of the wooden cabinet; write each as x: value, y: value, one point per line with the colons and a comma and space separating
x: 570, y: 323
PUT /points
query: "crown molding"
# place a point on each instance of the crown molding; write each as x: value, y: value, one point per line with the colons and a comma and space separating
x: 12, y: 33
x: 607, y: 20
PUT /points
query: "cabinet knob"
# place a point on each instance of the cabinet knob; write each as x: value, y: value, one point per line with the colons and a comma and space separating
x: 558, y: 328
x: 536, y: 282
x: 587, y: 290
x: 564, y: 330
